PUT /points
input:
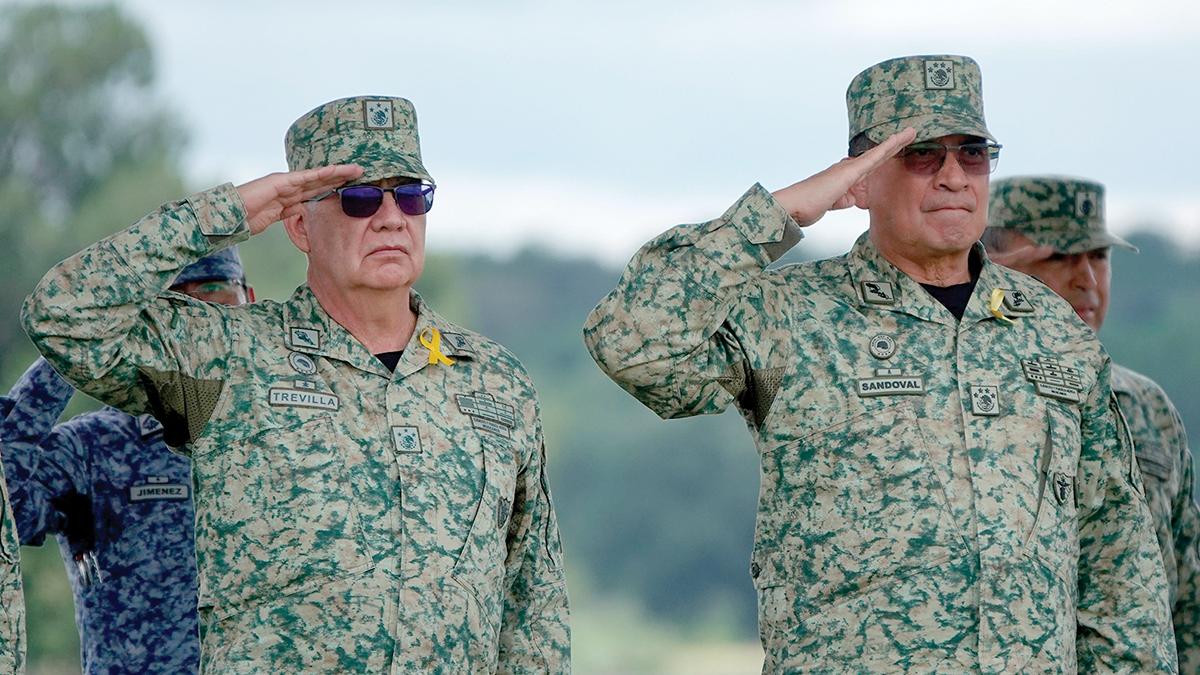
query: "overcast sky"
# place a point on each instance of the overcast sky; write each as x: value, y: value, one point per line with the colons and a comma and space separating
x: 588, y: 127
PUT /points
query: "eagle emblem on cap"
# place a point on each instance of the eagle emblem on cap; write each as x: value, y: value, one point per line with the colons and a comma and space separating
x: 939, y: 74
x: 377, y: 114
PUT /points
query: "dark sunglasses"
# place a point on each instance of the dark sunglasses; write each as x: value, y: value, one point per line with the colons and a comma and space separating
x: 362, y: 201
x: 926, y: 159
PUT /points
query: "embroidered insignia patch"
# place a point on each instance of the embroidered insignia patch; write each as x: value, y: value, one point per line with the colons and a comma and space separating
x: 377, y: 114
x: 1087, y: 204
x: 1016, y: 302
x: 1062, y: 487
x: 985, y: 399
x: 458, y: 344
x: 878, y: 292
x: 158, y: 487
x: 882, y: 346
x: 939, y: 74
x: 305, y: 338
x: 406, y: 439
x: 299, y: 398
x: 488, y: 414
x: 1053, y: 379
x: 302, y: 363
x: 890, y: 386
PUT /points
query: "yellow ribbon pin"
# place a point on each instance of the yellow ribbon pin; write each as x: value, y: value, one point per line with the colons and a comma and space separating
x: 996, y: 302
x: 434, y: 345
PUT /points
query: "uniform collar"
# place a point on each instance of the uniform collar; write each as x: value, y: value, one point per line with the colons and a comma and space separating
x: 881, y: 285
x: 309, y: 329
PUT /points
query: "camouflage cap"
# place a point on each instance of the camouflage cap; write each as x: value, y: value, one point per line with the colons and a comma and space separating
x: 224, y: 264
x: 936, y: 95
x: 1059, y: 211
x: 379, y: 133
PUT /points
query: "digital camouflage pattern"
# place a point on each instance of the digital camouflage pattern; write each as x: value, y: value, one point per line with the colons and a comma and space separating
x: 120, y: 503
x: 936, y: 496
x: 348, y: 519
x: 936, y: 95
x: 1059, y: 211
x: 378, y: 133
x: 1166, y: 464
x: 12, y: 599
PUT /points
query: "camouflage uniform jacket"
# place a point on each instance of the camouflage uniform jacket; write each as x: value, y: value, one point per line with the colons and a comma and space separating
x: 12, y: 600
x: 348, y: 518
x: 120, y: 503
x: 1166, y: 463
x: 923, y: 507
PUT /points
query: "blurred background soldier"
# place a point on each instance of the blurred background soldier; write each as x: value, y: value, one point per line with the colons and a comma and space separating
x: 929, y: 501
x: 1054, y: 228
x: 120, y: 503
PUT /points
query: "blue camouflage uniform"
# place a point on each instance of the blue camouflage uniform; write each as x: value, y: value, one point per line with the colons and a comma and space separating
x: 120, y: 503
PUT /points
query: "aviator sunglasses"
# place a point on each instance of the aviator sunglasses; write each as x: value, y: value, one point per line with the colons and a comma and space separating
x: 362, y: 201
x: 978, y: 158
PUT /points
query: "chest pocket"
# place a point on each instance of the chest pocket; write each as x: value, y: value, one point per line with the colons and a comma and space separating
x: 1055, y: 535
x: 275, y: 515
x: 479, y: 571
x: 851, y: 507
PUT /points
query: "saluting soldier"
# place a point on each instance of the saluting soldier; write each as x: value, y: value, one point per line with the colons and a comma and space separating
x: 1054, y: 228
x: 941, y: 485
x: 369, y: 478
x: 120, y: 503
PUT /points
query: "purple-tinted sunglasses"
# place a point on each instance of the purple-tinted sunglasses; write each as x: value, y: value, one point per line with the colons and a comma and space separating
x: 362, y: 201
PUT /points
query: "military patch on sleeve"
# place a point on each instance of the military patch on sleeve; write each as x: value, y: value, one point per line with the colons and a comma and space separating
x: 377, y: 114
x: 939, y: 74
x: 878, y: 292
x: 1016, y: 302
x: 407, y: 439
x: 1053, y: 379
x: 158, y: 487
x: 488, y: 414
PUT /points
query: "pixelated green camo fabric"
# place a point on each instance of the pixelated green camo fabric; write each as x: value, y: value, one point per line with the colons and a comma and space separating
x: 348, y: 519
x: 925, y: 507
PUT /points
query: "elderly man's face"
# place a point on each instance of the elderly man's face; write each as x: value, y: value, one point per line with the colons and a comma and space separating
x: 924, y: 217
x: 384, y: 251
x: 1082, y: 279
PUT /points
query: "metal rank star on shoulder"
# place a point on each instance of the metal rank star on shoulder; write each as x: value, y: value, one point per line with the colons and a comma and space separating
x: 1053, y: 379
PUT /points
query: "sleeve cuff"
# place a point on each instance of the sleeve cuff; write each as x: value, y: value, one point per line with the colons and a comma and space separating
x: 762, y: 221
x: 219, y: 212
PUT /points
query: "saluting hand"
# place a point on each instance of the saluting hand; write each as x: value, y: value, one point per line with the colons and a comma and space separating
x: 276, y: 196
x: 810, y: 199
